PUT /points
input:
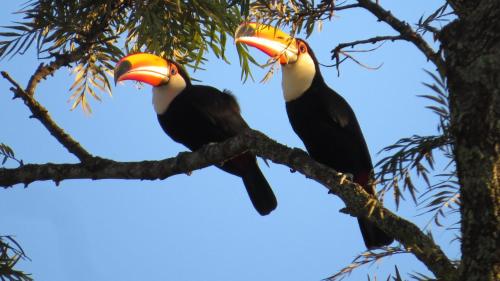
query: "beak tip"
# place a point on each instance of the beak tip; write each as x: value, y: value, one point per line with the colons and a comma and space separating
x: 116, y: 80
x: 120, y: 69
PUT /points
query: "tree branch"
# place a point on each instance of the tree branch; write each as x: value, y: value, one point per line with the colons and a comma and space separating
x: 65, y: 59
x: 339, y: 49
x: 353, y: 195
x: 463, y: 7
x: 41, y: 113
x: 45, y: 70
x: 372, y: 40
x: 344, y: 7
x: 405, y: 31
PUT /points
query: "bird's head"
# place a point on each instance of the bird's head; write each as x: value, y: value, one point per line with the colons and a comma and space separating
x: 167, y: 77
x: 273, y: 42
x: 150, y: 69
x: 298, y: 62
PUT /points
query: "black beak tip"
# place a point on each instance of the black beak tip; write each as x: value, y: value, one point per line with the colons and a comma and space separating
x: 122, y: 68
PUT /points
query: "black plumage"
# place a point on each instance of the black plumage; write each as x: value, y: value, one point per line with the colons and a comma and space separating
x: 202, y: 114
x: 328, y: 127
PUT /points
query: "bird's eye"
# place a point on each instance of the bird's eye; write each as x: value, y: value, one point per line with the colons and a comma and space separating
x: 173, y: 70
x: 302, y: 47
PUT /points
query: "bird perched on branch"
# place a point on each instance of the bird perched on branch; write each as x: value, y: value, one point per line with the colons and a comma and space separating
x: 322, y: 119
x: 195, y: 115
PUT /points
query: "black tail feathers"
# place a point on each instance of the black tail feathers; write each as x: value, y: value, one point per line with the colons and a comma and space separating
x: 259, y: 191
x: 373, y: 236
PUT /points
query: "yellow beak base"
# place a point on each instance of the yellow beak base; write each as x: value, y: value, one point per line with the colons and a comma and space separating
x: 272, y: 41
x: 142, y: 67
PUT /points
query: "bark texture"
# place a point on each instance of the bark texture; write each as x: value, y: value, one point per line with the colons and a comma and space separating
x: 471, y: 47
x: 358, y: 202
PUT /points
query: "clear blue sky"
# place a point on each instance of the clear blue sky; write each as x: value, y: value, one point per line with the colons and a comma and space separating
x: 203, y: 227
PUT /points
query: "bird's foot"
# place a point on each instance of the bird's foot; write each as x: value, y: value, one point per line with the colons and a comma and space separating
x: 346, y: 176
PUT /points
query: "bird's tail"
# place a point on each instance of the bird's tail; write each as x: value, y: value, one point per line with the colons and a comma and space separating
x: 259, y: 191
x: 373, y: 236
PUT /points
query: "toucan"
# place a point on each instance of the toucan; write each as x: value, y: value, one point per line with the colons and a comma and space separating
x: 321, y: 118
x: 195, y: 115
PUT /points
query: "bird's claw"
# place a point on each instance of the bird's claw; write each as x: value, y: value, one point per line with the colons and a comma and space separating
x: 346, y: 176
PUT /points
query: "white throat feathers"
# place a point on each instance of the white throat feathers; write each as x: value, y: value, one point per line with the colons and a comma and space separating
x: 163, y: 95
x: 297, y: 77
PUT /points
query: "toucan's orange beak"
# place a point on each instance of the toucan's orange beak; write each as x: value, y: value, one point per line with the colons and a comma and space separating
x: 147, y: 68
x: 272, y: 41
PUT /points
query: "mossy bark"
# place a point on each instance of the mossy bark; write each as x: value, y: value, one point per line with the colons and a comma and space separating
x: 471, y: 47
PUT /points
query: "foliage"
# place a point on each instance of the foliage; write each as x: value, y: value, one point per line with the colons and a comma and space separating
x: 299, y: 16
x: 10, y: 254
x: 97, y: 33
x: 442, y: 14
x: 8, y: 153
x: 368, y: 258
x: 415, y: 155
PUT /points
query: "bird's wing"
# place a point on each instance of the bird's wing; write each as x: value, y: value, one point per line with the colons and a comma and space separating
x: 344, y: 121
x: 341, y: 113
x: 221, y: 108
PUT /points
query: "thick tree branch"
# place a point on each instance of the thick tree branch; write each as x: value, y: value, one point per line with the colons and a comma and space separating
x: 355, y: 198
x: 41, y: 113
x: 406, y: 32
x: 463, y: 7
x: 471, y: 47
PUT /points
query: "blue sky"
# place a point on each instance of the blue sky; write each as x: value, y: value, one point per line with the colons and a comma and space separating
x: 203, y: 227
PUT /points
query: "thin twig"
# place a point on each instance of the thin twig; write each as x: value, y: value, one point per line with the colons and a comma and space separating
x: 43, y: 71
x: 405, y: 31
x: 41, y: 113
x: 347, y: 55
x: 339, y: 50
x: 372, y: 40
x: 366, y: 258
x: 344, y: 7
